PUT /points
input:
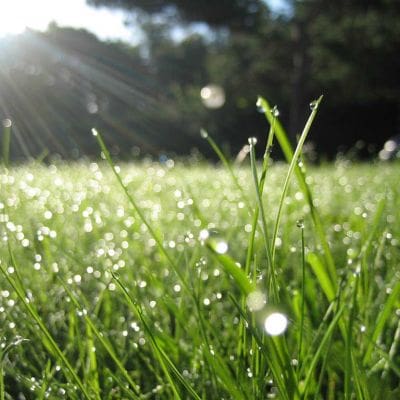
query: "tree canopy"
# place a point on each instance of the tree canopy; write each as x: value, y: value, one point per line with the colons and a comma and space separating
x: 63, y: 82
x: 234, y: 14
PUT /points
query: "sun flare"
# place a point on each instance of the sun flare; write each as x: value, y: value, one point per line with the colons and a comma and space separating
x: 17, y: 15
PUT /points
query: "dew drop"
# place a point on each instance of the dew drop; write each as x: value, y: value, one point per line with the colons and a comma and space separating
x: 275, y: 112
x: 252, y: 141
x: 204, y: 235
x: 221, y: 247
x: 177, y: 288
x: 259, y: 106
x: 275, y: 323
x: 152, y: 303
x: 256, y: 301
x: 313, y: 105
x: 7, y: 123
x: 203, y: 133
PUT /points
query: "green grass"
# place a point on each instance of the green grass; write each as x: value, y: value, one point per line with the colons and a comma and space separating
x: 150, y: 281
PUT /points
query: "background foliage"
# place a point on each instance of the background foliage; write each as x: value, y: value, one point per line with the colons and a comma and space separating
x: 146, y: 97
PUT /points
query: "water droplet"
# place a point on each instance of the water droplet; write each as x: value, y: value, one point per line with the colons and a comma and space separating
x: 256, y: 301
x: 300, y: 223
x: 81, y: 313
x: 7, y: 123
x: 313, y: 105
x: 206, y: 302
x: 204, y: 235
x: 275, y: 323
x: 259, y: 105
x: 212, y: 96
x: 221, y: 247
x: 177, y: 288
x: 152, y: 303
x: 203, y: 133
x: 275, y: 112
x: 252, y: 141
x: 94, y: 132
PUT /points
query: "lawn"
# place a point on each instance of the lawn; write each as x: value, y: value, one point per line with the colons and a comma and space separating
x: 178, y: 280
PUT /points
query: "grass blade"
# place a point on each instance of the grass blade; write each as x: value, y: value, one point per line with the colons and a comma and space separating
x: 47, y: 339
x: 272, y: 274
x: 381, y: 320
x: 322, y: 276
x: 235, y: 271
x: 6, y: 142
x: 107, y: 346
x: 137, y: 209
x: 293, y: 163
x: 162, y: 357
x: 204, y: 134
x: 288, y: 153
x: 323, y: 343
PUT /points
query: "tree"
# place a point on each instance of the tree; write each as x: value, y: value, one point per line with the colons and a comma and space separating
x: 348, y: 51
x: 233, y: 14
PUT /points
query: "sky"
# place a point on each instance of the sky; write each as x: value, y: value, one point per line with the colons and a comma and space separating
x: 16, y: 15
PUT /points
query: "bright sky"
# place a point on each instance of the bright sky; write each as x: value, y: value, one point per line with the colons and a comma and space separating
x: 16, y: 15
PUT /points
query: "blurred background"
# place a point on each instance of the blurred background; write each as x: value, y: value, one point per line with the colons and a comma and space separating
x: 150, y: 73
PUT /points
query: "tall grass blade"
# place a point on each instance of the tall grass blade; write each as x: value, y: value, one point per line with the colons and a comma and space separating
x: 273, y: 287
x: 107, y: 346
x: 234, y: 270
x: 6, y: 142
x: 204, y: 134
x: 46, y: 337
x: 288, y: 153
x: 293, y: 164
x: 381, y: 321
x: 327, y: 337
x: 165, y: 361
x: 269, y: 352
x: 328, y: 287
x: 140, y: 213
x: 302, y: 304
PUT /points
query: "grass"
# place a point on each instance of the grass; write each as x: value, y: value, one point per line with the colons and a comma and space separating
x: 156, y: 281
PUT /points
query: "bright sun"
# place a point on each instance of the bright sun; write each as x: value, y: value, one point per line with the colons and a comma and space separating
x: 20, y: 14
x: 17, y: 15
